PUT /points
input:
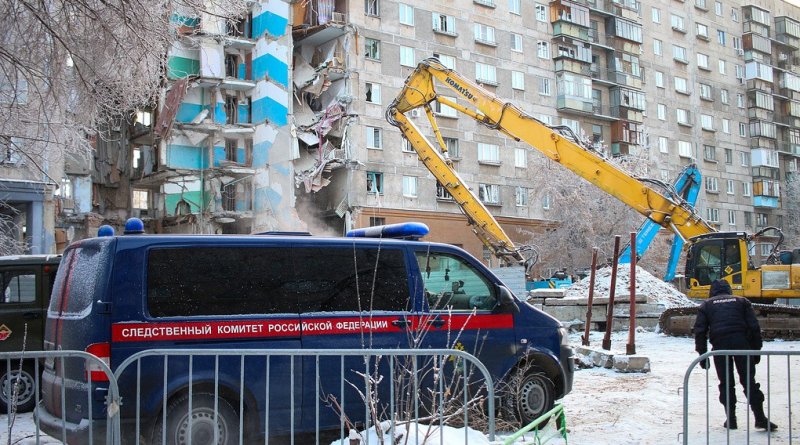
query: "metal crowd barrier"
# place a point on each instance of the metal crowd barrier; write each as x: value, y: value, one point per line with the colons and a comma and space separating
x: 438, y: 386
x: 57, y: 359
x: 774, y: 376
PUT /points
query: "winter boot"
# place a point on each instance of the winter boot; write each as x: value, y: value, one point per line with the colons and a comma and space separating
x: 731, y: 422
x: 762, y: 422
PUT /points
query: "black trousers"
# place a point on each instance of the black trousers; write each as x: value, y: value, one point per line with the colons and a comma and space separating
x: 744, y: 366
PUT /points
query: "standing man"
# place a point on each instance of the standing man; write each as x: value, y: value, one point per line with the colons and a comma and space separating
x: 730, y: 323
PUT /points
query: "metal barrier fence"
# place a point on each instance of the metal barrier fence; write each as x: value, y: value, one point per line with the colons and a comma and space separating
x: 56, y: 361
x: 774, y: 376
x: 185, y: 395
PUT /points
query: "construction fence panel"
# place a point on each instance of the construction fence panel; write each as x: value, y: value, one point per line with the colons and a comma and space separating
x: 704, y: 416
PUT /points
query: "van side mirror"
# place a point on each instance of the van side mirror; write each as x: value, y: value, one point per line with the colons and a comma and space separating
x: 505, y: 301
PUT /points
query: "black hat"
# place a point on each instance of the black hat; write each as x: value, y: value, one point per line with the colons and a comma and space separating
x: 719, y: 287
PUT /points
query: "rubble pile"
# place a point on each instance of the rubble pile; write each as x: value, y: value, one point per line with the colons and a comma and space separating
x: 656, y: 290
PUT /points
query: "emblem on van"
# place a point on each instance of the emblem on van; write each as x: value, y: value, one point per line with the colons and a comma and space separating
x: 4, y: 332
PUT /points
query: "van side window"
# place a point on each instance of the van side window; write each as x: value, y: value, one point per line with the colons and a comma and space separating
x: 453, y: 284
x: 19, y: 286
x: 351, y: 280
x: 220, y: 281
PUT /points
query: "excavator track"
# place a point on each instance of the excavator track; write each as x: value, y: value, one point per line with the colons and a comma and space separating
x: 777, y: 321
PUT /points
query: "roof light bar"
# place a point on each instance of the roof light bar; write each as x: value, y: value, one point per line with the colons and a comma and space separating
x: 409, y: 230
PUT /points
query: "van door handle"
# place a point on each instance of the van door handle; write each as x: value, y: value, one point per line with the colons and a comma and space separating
x: 436, y: 322
x: 401, y: 323
x: 31, y: 315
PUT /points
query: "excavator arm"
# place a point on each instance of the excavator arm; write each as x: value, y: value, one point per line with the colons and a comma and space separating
x: 557, y: 143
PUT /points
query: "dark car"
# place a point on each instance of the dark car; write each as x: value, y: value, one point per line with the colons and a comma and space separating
x: 27, y: 281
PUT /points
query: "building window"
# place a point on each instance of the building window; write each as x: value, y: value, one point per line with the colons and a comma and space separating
x: 748, y: 219
x: 373, y: 93
x: 407, y: 56
x: 718, y: 8
x: 663, y: 146
x: 737, y: 42
x: 141, y: 199
x: 721, y: 37
x: 518, y: 80
x: 723, y: 96
x: 544, y: 86
x: 520, y: 158
x: 375, y: 183
x: 706, y: 92
x: 447, y: 61
x: 407, y: 147
x: 441, y: 109
x: 659, y: 79
x: 655, y: 15
x: 516, y: 42
x: 742, y: 129
x: 726, y: 126
x: 683, y: 116
x: 442, y: 193
x: 521, y: 196
x: 376, y: 221
x: 444, y: 23
x: 406, y: 14
x: 740, y: 100
x: 661, y: 110
x: 374, y: 138
x: 702, y: 61
x: 373, y: 49
x: 657, y: 47
x: 712, y: 215
x: 702, y: 31
x: 729, y: 186
x: 744, y: 158
x: 761, y: 221
x: 546, y: 201
x: 541, y: 12
x: 681, y: 85
x: 485, y: 73
x: 679, y: 54
x: 709, y: 153
x: 515, y: 7
x: 543, y: 49
x: 489, y: 153
x: 735, y: 15
x: 410, y: 186
x: 747, y: 189
x: 732, y: 218
x: 452, y: 147
x: 766, y: 248
x: 739, y: 71
x: 685, y: 149
x: 484, y: 34
x: 372, y: 7
x: 489, y: 193
x: 707, y: 122
x: 677, y: 23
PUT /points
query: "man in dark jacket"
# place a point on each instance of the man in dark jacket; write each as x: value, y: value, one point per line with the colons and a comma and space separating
x: 730, y: 323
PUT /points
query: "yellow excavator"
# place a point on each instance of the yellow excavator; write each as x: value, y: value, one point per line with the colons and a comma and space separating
x: 711, y: 254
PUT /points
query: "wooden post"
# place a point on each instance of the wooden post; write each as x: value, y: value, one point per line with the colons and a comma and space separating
x: 585, y: 338
x: 611, y: 291
x: 630, y: 348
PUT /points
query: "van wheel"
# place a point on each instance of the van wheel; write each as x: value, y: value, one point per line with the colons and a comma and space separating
x: 202, y: 424
x: 26, y: 388
x: 530, y: 394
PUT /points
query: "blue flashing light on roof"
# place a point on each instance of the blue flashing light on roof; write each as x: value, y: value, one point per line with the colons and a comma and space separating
x: 134, y: 226
x: 105, y: 230
x: 409, y: 230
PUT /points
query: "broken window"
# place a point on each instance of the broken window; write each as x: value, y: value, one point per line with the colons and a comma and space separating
x: 374, y: 137
x: 373, y: 93
x: 372, y: 7
x: 452, y: 147
x: 372, y: 49
x: 231, y: 110
x: 232, y: 65
x: 231, y: 150
x: 9, y: 152
x: 489, y: 193
x: 442, y: 193
x: 521, y: 196
x: 444, y: 23
x: 375, y: 182
x: 407, y: 146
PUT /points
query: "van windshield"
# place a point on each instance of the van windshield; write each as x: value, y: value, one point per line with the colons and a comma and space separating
x: 77, y: 279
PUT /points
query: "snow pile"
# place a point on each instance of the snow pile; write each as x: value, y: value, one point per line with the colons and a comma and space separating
x: 413, y: 433
x: 656, y: 290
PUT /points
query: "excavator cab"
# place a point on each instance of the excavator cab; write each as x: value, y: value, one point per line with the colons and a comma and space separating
x: 721, y: 255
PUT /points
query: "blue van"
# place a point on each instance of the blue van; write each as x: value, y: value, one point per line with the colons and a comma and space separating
x: 115, y: 296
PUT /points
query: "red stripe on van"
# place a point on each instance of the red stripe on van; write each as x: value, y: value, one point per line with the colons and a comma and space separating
x: 221, y: 330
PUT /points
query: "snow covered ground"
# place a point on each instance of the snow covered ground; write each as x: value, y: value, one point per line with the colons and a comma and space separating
x: 610, y: 408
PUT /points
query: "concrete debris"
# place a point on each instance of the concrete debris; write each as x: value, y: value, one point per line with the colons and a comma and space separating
x: 655, y: 289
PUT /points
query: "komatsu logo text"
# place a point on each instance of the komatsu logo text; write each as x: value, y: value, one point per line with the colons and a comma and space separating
x: 465, y: 92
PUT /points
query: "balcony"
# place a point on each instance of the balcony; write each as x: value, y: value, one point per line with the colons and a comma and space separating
x: 574, y: 104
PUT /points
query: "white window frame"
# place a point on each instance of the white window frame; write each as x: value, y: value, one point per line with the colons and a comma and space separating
x: 732, y: 218
x: 516, y: 42
x: 724, y: 96
x: 707, y: 122
x: 702, y: 61
x: 726, y: 126
x: 518, y: 80
x: 712, y: 214
x: 372, y: 8
x: 485, y: 34
x: 730, y: 187
x: 485, y: 73
x: 543, y: 49
x: 663, y: 144
x: 377, y: 47
x: 683, y: 116
x: 712, y: 184
x: 447, y: 61
x: 661, y: 111
x: 488, y: 153
x: 685, y: 149
x: 659, y: 79
x: 443, y: 23
x: 655, y: 15
x: 406, y: 14
x: 681, y: 84
x: 541, y: 13
x: 721, y: 67
x: 747, y: 188
x: 545, y: 87
x: 375, y: 92
x: 374, y: 136
x: 515, y: 7
x: 657, y: 47
x: 520, y: 158
x: 407, y: 56
x: 410, y: 186
x: 140, y: 199
x: 521, y: 196
x: 489, y: 193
